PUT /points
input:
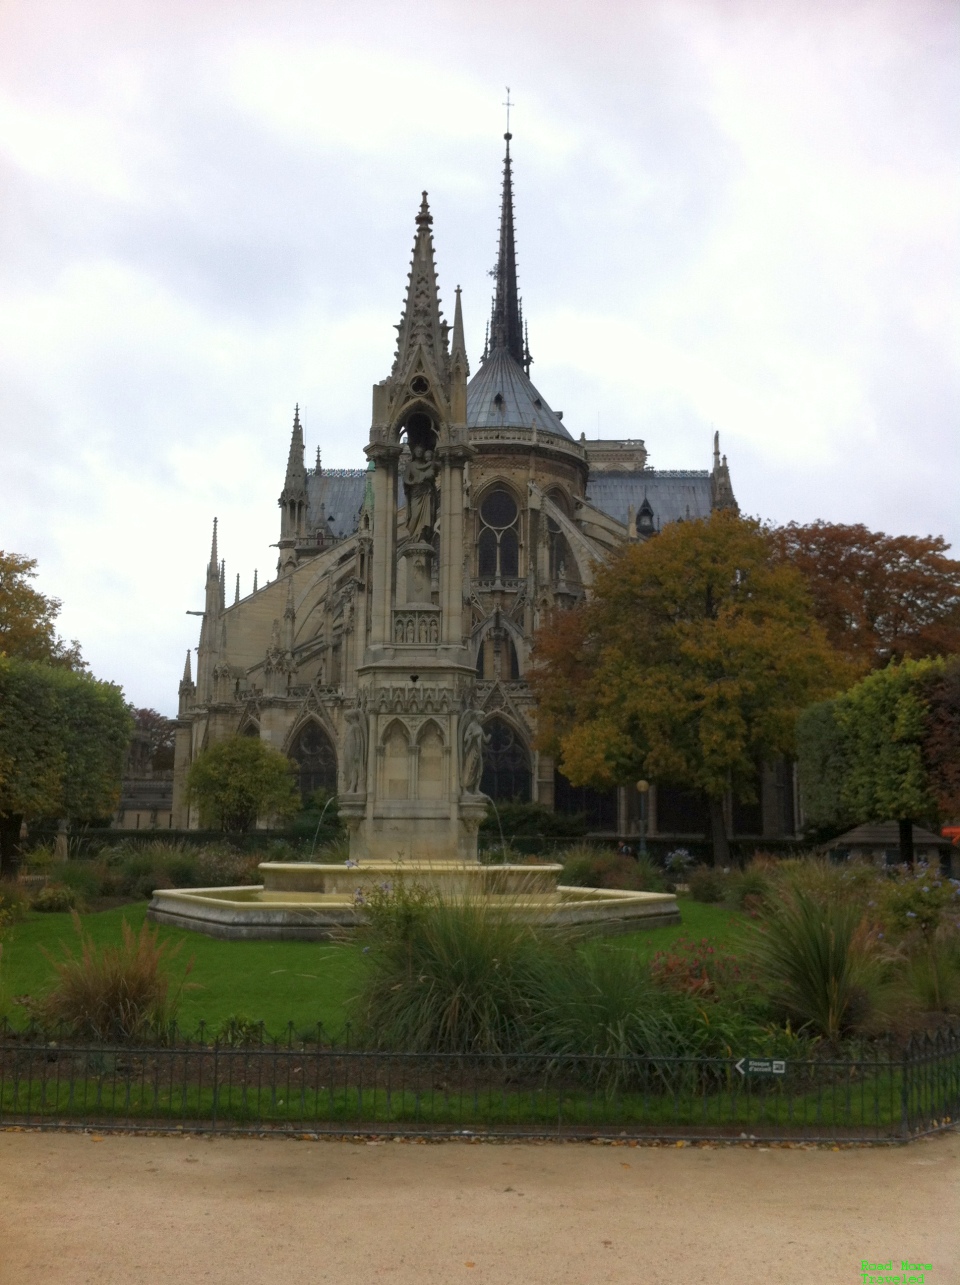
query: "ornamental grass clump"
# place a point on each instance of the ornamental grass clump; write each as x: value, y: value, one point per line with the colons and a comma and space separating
x: 817, y: 960
x: 457, y: 976
x: 114, y: 993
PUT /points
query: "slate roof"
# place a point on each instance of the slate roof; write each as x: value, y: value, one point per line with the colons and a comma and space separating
x: 886, y: 834
x: 671, y: 494
x: 336, y: 496
x: 521, y: 404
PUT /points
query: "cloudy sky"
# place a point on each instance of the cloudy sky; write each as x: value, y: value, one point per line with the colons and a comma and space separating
x: 731, y: 215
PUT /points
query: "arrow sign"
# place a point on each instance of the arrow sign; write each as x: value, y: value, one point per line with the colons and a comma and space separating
x: 760, y: 1066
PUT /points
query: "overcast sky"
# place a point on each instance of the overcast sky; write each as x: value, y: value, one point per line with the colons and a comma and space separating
x: 740, y: 216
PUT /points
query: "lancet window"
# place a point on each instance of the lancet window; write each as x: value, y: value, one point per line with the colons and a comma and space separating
x: 316, y: 761
x: 506, y: 764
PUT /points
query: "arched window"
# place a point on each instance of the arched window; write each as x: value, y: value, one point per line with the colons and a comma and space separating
x: 561, y: 564
x: 506, y: 764
x: 316, y: 759
x: 498, y: 543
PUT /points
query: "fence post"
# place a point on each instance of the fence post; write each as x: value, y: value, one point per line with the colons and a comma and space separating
x: 905, y: 1065
x: 216, y: 1080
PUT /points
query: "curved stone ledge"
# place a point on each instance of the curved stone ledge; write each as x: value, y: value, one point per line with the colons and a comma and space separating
x: 322, y: 902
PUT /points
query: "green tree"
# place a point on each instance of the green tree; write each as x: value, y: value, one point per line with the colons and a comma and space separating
x: 62, y: 741
x: 882, y: 750
x: 689, y: 664
x: 28, y: 617
x: 240, y: 780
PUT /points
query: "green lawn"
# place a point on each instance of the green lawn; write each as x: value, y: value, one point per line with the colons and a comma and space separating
x: 276, y: 982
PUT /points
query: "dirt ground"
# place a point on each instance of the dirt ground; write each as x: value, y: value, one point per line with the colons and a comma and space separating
x: 81, y: 1209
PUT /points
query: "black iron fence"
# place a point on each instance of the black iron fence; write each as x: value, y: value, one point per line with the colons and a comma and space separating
x: 306, y: 1084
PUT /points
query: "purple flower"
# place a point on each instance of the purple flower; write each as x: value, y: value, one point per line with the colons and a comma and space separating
x: 911, y: 915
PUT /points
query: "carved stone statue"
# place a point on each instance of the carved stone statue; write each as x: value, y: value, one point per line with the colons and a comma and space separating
x: 355, y: 752
x: 420, y: 488
x: 472, y: 740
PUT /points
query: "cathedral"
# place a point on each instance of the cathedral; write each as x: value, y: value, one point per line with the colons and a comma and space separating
x: 388, y: 657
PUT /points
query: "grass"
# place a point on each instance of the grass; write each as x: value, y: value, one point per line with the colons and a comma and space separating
x: 273, y: 982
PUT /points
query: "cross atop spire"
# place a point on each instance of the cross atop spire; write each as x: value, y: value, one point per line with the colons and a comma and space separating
x: 506, y: 328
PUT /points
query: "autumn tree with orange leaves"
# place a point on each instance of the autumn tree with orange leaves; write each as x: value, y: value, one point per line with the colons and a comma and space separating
x: 689, y: 664
x: 879, y: 597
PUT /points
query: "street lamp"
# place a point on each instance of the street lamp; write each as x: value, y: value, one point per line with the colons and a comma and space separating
x: 643, y: 789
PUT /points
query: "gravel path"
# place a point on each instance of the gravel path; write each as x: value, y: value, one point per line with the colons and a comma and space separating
x: 82, y: 1210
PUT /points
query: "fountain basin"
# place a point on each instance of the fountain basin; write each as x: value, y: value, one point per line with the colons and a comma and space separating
x: 313, y: 902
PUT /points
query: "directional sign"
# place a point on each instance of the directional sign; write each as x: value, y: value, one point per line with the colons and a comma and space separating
x: 761, y: 1066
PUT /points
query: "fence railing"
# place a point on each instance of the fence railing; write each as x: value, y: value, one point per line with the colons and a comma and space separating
x: 307, y: 1084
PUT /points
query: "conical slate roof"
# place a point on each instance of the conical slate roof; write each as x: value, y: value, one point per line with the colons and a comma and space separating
x: 500, y: 395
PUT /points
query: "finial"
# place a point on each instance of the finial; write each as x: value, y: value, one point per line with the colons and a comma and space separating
x: 296, y: 415
x: 508, y: 105
x: 319, y: 469
x: 459, y: 347
x: 424, y: 218
x: 254, y: 580
x: 236, y: 595
x: 214, y: 560
x: 716, y: 449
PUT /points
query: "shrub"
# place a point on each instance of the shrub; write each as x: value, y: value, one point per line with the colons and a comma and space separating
x: 856, y: 882
x: 816, y: 960
x: 114, y: 993
x: 531, y: 819
x: 603, y: 1000
x: 334, y: 853
x: 748, y: 889
x: 592, y: 866
x: 239, y: 1031
x: 919, y: 902
x: 84, y: 877
x: 696, y: 968
x: 707, y: 884
x: 14, y: 902
x: 930, y: 979
x: 240, y: 779
x: 678, y: 863
x: 57, y: 898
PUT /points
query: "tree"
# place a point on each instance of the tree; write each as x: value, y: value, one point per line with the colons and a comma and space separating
x: 241, y: 779
x: 879, y: 597
x: 883, y: 720
x: 886, y: 750
x: 941, y: 740
x: 62, y: 741
x: 689, y: 664
x: 27, y: 617
x: 159, y: 736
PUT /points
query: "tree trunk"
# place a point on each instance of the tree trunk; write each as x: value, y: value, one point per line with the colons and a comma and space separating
x: 906, y: 842
x: 718, y: 834
x: 10, y: 824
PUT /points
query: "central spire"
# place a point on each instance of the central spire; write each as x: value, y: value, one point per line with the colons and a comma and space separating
x: 506, y: 319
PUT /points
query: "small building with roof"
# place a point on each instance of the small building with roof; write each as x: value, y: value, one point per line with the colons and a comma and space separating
x: 879, y: 842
